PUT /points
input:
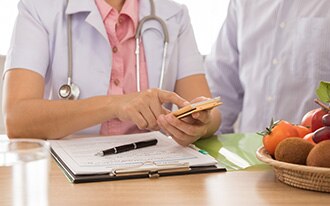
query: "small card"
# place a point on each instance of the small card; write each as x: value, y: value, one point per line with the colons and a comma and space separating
x: 196, y: 107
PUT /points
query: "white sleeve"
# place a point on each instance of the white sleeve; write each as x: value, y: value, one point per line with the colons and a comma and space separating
x: 191, y: 61
x: 29, y: 47
x: 222, y: 71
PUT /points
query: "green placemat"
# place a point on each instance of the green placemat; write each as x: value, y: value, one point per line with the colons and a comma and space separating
x: 234, y: 151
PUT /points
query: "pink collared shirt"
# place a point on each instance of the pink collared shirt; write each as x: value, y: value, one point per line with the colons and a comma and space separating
x: 121, y: 29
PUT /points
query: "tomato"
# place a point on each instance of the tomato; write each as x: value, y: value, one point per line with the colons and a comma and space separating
x: 309, y: 137
x: 302, y: 130
x: 276, y: 133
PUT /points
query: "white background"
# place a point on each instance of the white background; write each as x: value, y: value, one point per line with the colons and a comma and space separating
x: 207, y: 17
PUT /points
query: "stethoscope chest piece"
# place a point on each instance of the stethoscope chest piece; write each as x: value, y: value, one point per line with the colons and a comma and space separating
x: 69, y: 92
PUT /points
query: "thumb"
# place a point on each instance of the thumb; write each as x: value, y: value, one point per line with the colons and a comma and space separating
x: 171, y: 97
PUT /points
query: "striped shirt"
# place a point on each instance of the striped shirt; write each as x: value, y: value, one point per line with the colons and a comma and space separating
x: 268, y: 60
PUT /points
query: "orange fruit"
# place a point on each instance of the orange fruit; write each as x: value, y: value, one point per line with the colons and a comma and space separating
x: 275, y: 133
x: 302, y: 130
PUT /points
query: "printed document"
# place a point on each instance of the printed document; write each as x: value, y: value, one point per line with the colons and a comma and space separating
x: 79, y: 153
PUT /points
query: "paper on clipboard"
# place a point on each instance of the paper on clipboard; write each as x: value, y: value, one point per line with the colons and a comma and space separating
x: 196, y: 107
x: 78, y: 154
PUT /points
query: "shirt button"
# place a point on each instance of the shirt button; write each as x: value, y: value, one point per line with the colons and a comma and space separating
x: 114, y: 49
x: 120, y: 20
x: 117, y: 82
x: 282, y: 25
x: 275, y: 61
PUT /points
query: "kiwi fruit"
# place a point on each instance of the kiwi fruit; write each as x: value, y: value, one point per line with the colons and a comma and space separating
x: 293, y: 150
x: 319, y: 156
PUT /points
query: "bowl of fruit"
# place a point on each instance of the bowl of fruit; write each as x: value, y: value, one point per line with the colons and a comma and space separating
x: 300, y: 154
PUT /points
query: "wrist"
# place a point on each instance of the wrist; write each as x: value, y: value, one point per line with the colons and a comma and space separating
x: 112, y: 106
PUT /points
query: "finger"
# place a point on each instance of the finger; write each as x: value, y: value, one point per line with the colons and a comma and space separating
x: 196, y: 130
x: 188, y: 119
x: 177, y: 124
x: 164, y: 124
x: 183, y: 142
x: 199, y: 99
x: 178, y: 128
x: 157, y: 108
x: 177, y: 135
x: 157, y: 97
x: 202, y: 116
x: 161, y: 123
x: 149, y: 117
x: 140, y: 122
x: 166, y: 111
x: 171, y: 97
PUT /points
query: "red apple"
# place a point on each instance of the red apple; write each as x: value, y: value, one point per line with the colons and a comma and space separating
x: 313, y: 119
x: 317, y: 119
x: 307, y: 119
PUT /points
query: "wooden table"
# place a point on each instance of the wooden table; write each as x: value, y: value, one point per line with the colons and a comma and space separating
x: 255, y: 185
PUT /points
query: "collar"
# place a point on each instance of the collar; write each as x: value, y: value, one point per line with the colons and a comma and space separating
x: 103, y: 7
x: 76, y: 6
x: 164, y: 9
x: 130, y: 9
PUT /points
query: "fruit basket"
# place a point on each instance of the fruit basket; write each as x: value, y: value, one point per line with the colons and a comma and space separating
x: 300, y: 176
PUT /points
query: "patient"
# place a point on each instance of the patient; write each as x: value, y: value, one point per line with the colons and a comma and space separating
x: 268, y: 60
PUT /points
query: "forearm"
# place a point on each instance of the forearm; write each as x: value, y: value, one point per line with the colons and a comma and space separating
x: 51, y: 119
x: 37, y: 118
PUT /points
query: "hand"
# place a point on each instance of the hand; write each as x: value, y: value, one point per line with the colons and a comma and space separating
x: 188, y: 129
x: 143, y: 108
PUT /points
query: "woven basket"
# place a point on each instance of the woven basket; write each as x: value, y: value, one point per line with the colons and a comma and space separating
x: 300, y: 176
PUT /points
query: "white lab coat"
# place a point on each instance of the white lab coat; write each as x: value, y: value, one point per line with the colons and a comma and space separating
x: 39, y: 43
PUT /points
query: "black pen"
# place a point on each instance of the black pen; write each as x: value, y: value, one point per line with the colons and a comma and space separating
x: 128, y: 147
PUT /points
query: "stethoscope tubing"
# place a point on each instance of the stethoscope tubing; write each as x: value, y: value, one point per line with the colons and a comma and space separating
x: 70, y: 58
x: 74, y: 89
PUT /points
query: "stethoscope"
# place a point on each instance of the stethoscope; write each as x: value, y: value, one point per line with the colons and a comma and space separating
x: 71, y: 91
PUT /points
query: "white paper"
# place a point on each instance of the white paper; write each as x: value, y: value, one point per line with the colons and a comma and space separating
x: 79, y: 154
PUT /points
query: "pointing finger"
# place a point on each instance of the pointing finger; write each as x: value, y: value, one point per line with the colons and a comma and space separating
x: 171, y: 97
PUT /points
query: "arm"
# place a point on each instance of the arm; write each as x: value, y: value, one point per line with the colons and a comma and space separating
x: 28, y: 115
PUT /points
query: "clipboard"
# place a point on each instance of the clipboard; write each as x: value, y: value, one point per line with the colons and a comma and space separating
x: 122, y: 174
x: 196, y: 107
x: 176, y: 160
